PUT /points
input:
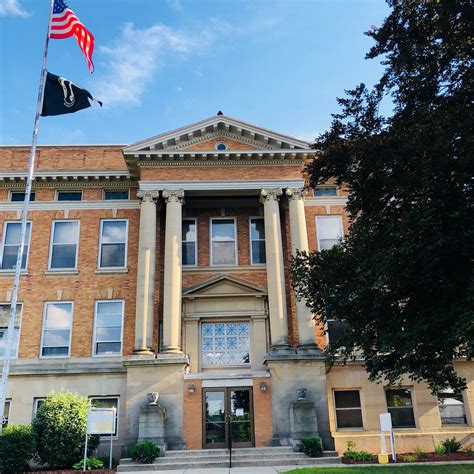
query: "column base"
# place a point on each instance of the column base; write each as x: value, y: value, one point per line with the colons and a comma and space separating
x: 171, y: 350
x: 281, y: 349
x: 144, y: 351
x: 309, y: 349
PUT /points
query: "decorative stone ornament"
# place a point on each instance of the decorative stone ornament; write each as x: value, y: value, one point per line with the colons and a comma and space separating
x: 176, y: 195
x: 296, y: 193
x: 301, y: 392
x: 148, y: 196
x: 153, y: 398
x: 270, y: 194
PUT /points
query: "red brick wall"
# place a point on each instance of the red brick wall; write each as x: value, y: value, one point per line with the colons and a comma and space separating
x: 192, y: 415
x: 262, y: 412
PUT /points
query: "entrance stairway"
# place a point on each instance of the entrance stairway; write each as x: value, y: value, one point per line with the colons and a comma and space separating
x: 243, y: 457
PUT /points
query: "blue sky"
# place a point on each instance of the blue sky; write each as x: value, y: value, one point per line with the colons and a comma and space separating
x: 162, y: 64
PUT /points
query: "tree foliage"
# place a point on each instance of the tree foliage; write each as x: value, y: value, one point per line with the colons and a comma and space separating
x: 403, y: 279
x: 17, y: 448
x: 60, y: 428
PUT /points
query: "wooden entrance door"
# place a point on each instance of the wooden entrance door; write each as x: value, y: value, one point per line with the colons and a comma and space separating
x: 228, y: 412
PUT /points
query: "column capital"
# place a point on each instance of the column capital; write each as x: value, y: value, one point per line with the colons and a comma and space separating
x: 148, y: 196
x: 270, y: 194
x: 173, y: 195
x: 296, y: 193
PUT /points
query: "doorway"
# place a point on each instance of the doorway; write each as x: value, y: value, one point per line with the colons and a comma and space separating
x: 228, y: 412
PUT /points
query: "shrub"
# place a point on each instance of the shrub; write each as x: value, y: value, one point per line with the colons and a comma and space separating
x: 91, y: 464
x: 356, y: 455
x: 17, y: 447
x: 145, y: 452
x: 408, y: 457
x: 60, y: 429
x: 312, y: 447
x: 440, y: 450
x: 420, y: 454
x: 451, y: 445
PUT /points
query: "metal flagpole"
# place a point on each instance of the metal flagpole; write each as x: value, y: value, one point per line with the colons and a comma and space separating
x: 24, y: 217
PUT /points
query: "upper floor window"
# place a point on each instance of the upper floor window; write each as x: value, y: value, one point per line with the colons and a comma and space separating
x: 113, y: 243
x: 16, y: 196
x: 329, y: 231
x: 64, y: 245
x: 4, y: 316
x: 108, y: 327
x: 57, y: 324
x: 335, y: 330
x: 37, y: 402
x: 114, y: 195
x: 107, y: 402
x: 189, y: 242
x: 6, y: 414
x: 451, y: 408
x: 400, y: 406
x: 257, y: 241
x: 223, y: 242
x: 321, y: 191
x: 348, y: 409
x: 11, y: 244
x: 68, y: 195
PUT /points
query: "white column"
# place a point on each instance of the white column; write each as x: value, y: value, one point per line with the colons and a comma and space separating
x: 275, y: 271
x: 299, y: 241
x: 146, y: 272
x: 173, y: 272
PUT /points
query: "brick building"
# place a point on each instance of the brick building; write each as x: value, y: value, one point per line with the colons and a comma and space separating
x: 163, y: 266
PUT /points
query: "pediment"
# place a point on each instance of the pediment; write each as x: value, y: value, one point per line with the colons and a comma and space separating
x: 224, y: 285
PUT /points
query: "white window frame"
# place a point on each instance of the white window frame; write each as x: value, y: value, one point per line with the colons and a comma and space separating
x: 15, y: 354
x: 36, y: 400
x: 464, y: 406
x: 117, y: 412
x: 100, y: 244
x: 413, y: 403
x: 256, y: 240
x: 118, y: 191
x: 51, y: 243
x: 355, y: 428
x: 236, y: 263
x: 94, y: 338
x: 4, y: 238
x: 341, y: 227
x: 58, y: 191
x: 45, y: 306
x: 326, y: 187
x: 195, y: 241
x: 10, y: 195
x: 8, y: 402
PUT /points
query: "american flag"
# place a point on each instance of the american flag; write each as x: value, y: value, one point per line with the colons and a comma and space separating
x: 64, y: 23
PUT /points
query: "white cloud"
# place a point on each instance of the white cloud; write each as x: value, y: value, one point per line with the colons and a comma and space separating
x: 175, y: 5
x: 12, y: 7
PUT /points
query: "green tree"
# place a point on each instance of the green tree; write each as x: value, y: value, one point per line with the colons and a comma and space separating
x: 17, y: 448
x: 402, y: 279
x: 60, y: 428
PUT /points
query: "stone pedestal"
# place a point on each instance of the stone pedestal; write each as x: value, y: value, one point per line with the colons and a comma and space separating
x: 303, y: 421
x: 151, y: 426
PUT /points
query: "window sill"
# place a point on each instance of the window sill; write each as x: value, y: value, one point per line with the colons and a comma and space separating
x: 10, y: 273
x: 108, y: 271
x: 61, y: 272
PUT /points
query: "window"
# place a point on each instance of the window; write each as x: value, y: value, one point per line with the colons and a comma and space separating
x: 321, y: 191
x: 451, y: 409
x: 335, y: 330
x: 6, y: 414
x: 113, y: 244
x: 69, y: 196
x: 221, y: 146
x: 257, y: 241
x: 329, y: 231
x: 400, y: 406
x: 36, y: 404
x: 107, y: 402
x: 108, y: 323
x: 114, y: 195
x: 56, y: 340
x: 189, y: 242
x: 223, y: 243
x: 64, y: 245
x: 4, y: 315
x: 348, y: 410
x: 17, y: 196
x: 225, y: 343
x: 11, y: 244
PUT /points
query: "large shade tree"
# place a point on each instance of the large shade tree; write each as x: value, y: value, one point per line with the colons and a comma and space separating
x: 403, y: 277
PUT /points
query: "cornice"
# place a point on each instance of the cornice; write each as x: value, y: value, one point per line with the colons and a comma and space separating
x: 221, y: 162
x: 79, y: 184
x: 71, y: 205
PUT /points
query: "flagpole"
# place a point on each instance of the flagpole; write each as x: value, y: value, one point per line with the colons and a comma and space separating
x: 24, y: 220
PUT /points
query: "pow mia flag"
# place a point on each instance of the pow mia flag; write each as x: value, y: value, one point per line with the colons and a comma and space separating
x: 63, y: 97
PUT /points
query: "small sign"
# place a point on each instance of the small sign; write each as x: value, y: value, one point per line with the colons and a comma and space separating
x: 101, y: 421
x: 385, y: 422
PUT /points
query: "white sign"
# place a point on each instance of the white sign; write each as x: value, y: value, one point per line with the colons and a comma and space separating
x: 101, y: 421
x: 385, y: 422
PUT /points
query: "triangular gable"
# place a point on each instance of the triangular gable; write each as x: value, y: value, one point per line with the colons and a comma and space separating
x: 224, y: 285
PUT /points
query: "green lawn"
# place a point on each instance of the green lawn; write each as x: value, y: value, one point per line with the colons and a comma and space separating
x: 438, y: 469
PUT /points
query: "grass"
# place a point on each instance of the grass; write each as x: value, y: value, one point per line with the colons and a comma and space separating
x: 439, y: 469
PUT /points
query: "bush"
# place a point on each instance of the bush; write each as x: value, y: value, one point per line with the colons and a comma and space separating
x: 312, y: 447
x: 420, y: 454
x: 91, y: 464
x: 145, y: 452
x: 60, y: 429
x: 451, y: 445
x: 17, y: 447
x: 439, y: 450
x: 408, y: 457
x: 356, y: 455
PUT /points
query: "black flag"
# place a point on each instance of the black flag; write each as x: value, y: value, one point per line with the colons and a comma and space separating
x: 63, y: 97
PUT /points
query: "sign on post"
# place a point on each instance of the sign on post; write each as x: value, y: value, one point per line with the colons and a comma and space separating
x: 386, y: 428
x: 100, y: 421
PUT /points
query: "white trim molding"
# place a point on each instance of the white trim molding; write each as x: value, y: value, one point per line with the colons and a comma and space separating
x: 218, y: 185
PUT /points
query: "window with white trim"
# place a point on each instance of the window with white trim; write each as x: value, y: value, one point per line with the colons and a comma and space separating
x: 400, y: 406
x: 19, y: 196
x: 107, y: 402
x: 4, y: 316
x: 37, y: 401
x: 68, y: 195
x: 451, y: 408
x: 189, y: 239
x: 223, y: 242
x: 6, y: 413
x: 11, y: 244
x: 64, y: 245
x: 329, y: 231
x: 108, y: 327
x: 257, y: 241
x: 113, y: 243
x: 348, y: 409
x: 323, y: 191
x: 57, y: 325
x: 113, y: 195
